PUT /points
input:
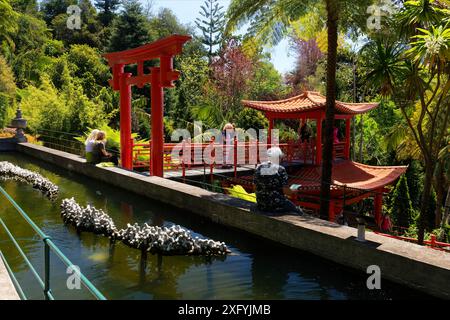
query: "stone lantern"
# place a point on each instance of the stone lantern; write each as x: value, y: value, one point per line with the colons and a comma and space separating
x: 19, y: 123
x: 361, y: 235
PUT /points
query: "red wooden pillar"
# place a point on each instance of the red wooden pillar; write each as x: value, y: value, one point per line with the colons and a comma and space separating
x: 166, y: 67
x: 301, y: 122
x: 157, y: 142
x: 378, y: 207
x: 125, y: 122
x: 269, y: 135
x: 319, y: 141
x: 331, y: 216
x: 347, y: 139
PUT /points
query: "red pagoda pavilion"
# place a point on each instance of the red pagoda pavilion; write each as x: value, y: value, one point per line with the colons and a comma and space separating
x: 352, y: 181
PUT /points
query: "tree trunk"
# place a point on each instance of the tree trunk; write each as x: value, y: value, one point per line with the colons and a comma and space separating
x: 327, y: 152
x: 423, y: 218
x: 361, y: 140
x: 353, y: 118
x: 446, y: 210
x: 439, y: 186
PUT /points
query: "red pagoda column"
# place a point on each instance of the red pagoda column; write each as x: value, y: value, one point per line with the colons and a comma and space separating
x: 319, y: 141
x: 378, y: 207
x: 347, y: 139
x: 269, y: 135
x: 157, y: 142
x: 331, y: 216
x: 125, y: 122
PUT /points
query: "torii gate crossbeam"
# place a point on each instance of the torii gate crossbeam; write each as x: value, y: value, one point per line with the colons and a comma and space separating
x: 159, y: 78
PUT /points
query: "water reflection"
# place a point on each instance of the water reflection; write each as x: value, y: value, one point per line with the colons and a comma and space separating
x: 256, y: 269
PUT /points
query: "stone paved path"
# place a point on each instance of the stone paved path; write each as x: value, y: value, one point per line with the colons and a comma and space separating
x: 7, y: 290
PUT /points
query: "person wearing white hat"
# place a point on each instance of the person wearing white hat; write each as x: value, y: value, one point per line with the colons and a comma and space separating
x: 270, y: 179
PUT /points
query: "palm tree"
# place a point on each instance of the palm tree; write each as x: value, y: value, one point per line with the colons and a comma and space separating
x: 420, y: 14
x: 419, y: 80
x: 270, y: 22
x: 327, y: 157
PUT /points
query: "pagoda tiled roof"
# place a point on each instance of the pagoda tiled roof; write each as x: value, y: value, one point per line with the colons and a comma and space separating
x: 306, y: 102
x: 350, y: 174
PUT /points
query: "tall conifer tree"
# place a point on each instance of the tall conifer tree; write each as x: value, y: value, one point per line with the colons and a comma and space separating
x: 211, y: 25
x: 107, y: 9
x: 130, y: 29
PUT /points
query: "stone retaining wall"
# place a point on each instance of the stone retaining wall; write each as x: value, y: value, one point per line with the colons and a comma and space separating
x: 408, y: 264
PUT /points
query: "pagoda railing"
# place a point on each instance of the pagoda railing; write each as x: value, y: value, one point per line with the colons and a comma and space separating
x: 235, y: 154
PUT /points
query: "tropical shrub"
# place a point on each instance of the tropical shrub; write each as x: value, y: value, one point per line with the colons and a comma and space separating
x: 251, y: 119
x: 401, y: 210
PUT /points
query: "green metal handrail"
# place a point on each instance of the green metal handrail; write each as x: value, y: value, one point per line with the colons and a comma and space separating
x: 13, y: 278
x: 48, y: 245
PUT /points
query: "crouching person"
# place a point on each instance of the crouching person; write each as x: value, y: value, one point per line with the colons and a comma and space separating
x: 270, y: 179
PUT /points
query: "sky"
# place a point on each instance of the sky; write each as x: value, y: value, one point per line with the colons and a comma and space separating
x: 188, y: 10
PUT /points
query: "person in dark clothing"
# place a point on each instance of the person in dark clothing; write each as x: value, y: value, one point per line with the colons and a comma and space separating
x: 99, y: 153
x: 270, y: 179
x: 305, y: 132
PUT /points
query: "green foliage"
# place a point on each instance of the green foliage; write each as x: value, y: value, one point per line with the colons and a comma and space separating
x: 164, y: 24
x: 28, y: 58
x: 442, y: 234
x: 7, y: 84
x: 431, y: 46
x: 51, y: 8
x: 383, y: 64
x: 7, y: 91
x: 68, y: 110
x: 251, y: 119
x: 5, y: 103
x: 59, y: 73
x: 266, y: 83
x: 112, y: 136
x: 44, y: 108
x: 110, y: 101
x: 25, y: 6
x: 130, y: 29
x: 107, y: 9
x: 209, y: 110
x: 374, y: 151
x: 401, y: 209
x: 81, y: 65
x: 83, y: 112
x: 190, y: 88
x: 87, y: 65
x: 412, y: 68
x: 8, y: 23
x: 270, y: 21
x: 32, y: 33
x: 91, y: 32
x: 54, y: 48
x: 420, y: 13
x: 414, y: 175
x: 287, y: 133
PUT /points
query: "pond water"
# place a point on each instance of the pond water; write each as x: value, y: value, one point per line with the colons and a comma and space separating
x: 256, y: 269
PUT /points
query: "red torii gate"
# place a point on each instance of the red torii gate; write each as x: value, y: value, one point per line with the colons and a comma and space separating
x: 159, y: 78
